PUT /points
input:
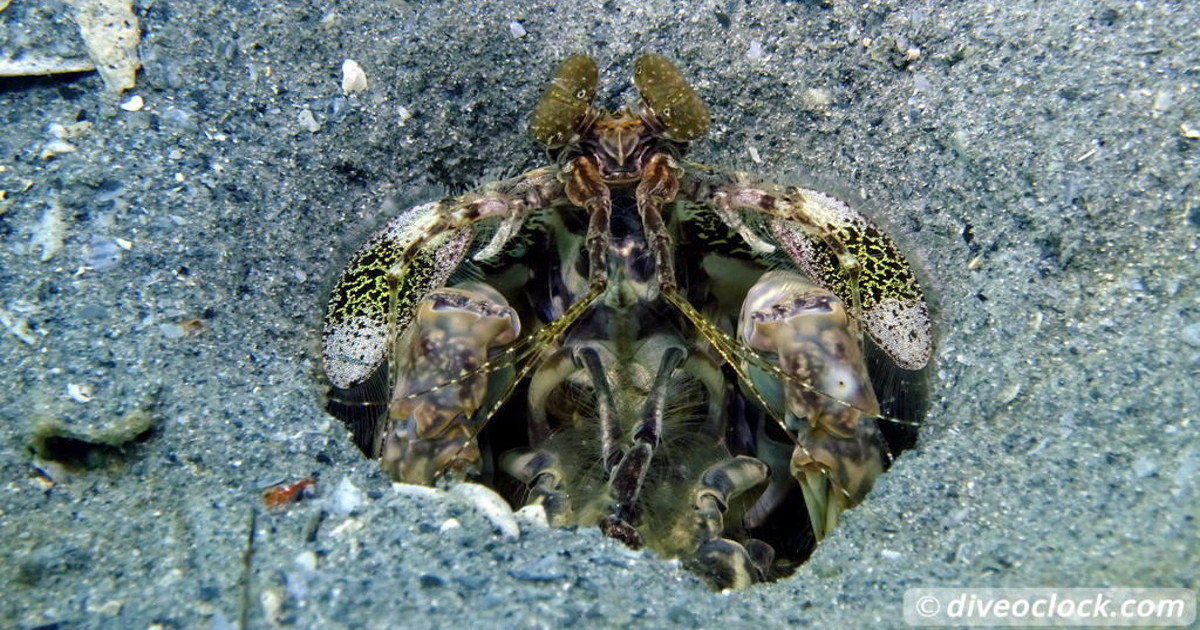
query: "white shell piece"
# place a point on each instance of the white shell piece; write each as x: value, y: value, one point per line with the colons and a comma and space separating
x: 354, y: 79
x: 346, y: 498
x: 112, y: 33
x: 532, y: 518
x: 415, y: 491
x: 135, y: 103
x: 491, y: 506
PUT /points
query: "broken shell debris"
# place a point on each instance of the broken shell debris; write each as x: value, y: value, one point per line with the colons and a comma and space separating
x: 81, y: 392
x: 354, y: 79
x: 111, y: 31
x: 136, y: 103
x: 483, y: 500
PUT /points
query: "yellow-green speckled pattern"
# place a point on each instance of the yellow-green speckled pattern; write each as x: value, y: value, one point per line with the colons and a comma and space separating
x: 886, y: 294
x: 380, y: 288
x: 673, y: 101
x: 565, y: 102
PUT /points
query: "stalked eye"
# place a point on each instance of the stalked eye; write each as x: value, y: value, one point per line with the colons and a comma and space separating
x: 672, y: 101
x: 564, y: 105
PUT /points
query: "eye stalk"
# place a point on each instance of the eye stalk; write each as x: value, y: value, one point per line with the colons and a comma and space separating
x: 566, y: 106
x: 619, y: 144
x: 673, y: 105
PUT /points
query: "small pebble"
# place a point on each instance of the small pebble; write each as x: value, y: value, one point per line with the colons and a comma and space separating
x: 1145, y: 467
x: 354, y: 79
x: 271, y: 601
x: 93, y: 311
x: 755, y: 51
x: 1009, y: 393
x: 346, y: 498
x: 307, y: 121
x: 957, y: 517
x: 921, y: 83
x: 47, y: 237
x: 431, y: 581
x: 111, y: 31
x: 1191, y: 335
x: 516, y: 29
x: 306, y: 560
x: 69, y: 132
x: 103, y: 252
x: 55, y: 148
x: 816, y: 99
x: 180, y: 119
x: 337, y: 110
x: 1163, y: 101
x: 18, y: 326
x: 81, y: 392
x: 135, y: 103
x: 492, y: 506
x: 532, y: 518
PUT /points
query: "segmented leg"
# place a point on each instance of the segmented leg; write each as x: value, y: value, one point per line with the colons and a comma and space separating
x: 659, y: 185
x: 586, y: 189
x: 438, y: 385
x: 542, y: 472
x: 535, y: 189
x: 837, y: 455
x: 608, y: 415
x: 724, y: 562
x: 606, y: 407
x: 625, y: 480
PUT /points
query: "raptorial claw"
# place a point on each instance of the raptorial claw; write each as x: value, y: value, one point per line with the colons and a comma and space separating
x: 825, y: 396
x: 439, y: 387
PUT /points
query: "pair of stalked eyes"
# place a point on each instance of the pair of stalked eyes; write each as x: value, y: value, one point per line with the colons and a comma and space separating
x: 566, y: 104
